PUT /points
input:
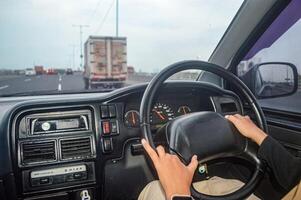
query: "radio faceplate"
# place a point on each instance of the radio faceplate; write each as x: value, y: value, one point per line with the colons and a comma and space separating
x: 52, y: 123
x: 58, y: 124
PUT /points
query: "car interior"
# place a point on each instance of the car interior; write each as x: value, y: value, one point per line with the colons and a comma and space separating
x: 88, y: 145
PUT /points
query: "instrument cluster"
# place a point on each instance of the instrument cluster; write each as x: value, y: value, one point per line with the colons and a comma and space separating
x: 160, y: 115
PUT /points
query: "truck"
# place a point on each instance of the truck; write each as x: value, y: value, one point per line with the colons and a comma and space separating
x: 105, y: 62
x: 39, y: 69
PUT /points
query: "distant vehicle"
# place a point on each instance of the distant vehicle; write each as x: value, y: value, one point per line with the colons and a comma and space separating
x: 52, y: 72
x: 19, y: 72
x: 105, y: 62
x: 39, y: 70
x: 69, y: 71
x: 30, y: 72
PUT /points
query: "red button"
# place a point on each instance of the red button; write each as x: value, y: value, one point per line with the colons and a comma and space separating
x: 106, y: 129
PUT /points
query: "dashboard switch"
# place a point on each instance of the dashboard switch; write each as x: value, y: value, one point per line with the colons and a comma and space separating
x: 106, y: 128
x: 114, y: 127
x: 104, y: 111
x: 107, y: 145
x: 112, y: 111
x: 44, y: 181
x: 78, y: 175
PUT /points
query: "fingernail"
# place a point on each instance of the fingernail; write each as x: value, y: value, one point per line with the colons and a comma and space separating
x: 195, y: 157
x: 143, y: 141
x: 226, y: 116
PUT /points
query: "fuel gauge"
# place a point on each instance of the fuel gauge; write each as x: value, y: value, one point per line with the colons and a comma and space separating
x: 131, y: 118
x: 183, y: 110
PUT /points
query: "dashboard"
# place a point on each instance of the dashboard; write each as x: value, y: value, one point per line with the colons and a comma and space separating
x: 67, y: 147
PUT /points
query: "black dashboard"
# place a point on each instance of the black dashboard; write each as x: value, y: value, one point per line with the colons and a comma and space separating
x: 64, y: 147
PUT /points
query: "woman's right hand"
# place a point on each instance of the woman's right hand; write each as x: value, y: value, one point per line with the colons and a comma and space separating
x: 247, y: 128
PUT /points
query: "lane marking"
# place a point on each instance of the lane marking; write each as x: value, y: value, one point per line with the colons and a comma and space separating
x: 3, y: 87
x: 60, y: 78
x: 59, y: 87
x: 28, y: 79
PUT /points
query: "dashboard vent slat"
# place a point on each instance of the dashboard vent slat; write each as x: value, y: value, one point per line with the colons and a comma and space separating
x: 76, y: 148
x: 38, y: 152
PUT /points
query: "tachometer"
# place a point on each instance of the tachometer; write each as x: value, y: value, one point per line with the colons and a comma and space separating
x: 161, y: 114
x: 131, y: 118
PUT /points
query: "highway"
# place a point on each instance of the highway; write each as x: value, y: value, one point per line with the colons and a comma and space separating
x: 61, y: 83
x: 20, y: 84
x: 43, y: 83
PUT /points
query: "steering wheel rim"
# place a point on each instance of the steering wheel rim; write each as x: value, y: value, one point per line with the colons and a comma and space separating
x: 147, y: 103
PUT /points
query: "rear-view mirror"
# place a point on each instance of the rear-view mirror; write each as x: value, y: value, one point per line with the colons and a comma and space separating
x: 272, y: 79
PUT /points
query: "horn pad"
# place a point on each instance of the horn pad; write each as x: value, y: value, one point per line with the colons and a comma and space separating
x: 205, y: 134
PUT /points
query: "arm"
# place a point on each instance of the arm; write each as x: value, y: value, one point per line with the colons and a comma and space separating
x: 286, y: 168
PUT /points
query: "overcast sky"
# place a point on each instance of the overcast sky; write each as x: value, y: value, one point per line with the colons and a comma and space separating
x: 159, y: 32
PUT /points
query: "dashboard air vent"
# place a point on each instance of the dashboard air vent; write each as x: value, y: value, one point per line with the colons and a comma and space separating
x: 38, y: 152
x: 76, y: 148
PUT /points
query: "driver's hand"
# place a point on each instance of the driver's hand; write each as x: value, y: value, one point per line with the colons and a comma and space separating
x: 247, y: 128
x: 174, y: 176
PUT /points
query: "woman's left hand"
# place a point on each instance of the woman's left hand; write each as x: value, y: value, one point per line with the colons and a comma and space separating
x: 175, y: 177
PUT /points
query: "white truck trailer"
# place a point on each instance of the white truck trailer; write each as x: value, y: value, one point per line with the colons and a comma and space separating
x: 105, y: 62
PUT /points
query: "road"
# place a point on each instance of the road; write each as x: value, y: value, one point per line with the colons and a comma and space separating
x: 41, y: 83
x: 20, y: 84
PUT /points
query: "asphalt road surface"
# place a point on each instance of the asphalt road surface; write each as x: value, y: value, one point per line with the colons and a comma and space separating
x: 44, y: 83
x: 41, y: 83
x: 61, y: 83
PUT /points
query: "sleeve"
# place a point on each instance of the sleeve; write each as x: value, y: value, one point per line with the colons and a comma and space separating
x: 286, y: 167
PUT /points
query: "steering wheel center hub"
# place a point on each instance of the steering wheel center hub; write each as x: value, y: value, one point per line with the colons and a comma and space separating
x: 205, y: 134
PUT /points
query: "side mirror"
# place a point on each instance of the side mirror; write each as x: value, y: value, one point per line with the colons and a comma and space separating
x: 272, y: 79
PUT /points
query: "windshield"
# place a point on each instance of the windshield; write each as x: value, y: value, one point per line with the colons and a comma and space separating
x: 54, y: 46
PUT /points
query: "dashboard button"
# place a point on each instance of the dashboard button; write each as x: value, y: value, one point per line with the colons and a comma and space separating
x: 112, y: 111
x: 107, y: 145
x: 77, y: 175
x: 114, y: 127
x: 106, y: 127
x: 44, y: 181
x: 104, y: 111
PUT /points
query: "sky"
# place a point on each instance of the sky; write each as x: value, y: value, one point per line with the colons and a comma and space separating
x: 286, y: 48
x: 159, y: 32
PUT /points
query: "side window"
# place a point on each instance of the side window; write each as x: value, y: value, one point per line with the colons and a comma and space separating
x: 268, y: 68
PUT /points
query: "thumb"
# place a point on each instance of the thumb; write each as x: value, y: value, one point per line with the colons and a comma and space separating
x: 193, y: 164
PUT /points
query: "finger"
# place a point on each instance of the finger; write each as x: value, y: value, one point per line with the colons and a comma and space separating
x: 248, y: 117
x: 238, y: 116
x: 232, y: 119
x: 193, y: 164
x: 150, y: 151
x: 160, y: 151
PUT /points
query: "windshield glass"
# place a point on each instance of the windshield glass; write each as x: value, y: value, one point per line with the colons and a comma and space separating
x: 54, y: 46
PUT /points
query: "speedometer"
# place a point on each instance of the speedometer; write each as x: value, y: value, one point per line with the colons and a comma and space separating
x: 161, y: 114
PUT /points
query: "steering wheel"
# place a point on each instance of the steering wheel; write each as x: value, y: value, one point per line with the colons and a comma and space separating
x: 206, y: 134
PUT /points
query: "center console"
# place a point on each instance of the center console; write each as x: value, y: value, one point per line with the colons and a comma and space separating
x: 56, y: 151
